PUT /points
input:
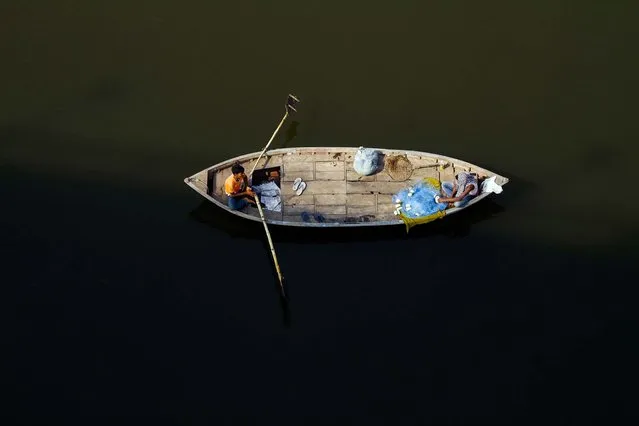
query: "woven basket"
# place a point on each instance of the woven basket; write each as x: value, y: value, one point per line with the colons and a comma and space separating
x: 398, y: 167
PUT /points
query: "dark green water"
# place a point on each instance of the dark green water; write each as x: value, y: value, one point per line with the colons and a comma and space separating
x: 123, y: 298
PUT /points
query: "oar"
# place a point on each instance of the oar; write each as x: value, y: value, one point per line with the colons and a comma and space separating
x: 290, y: 104
x: 270, y: 243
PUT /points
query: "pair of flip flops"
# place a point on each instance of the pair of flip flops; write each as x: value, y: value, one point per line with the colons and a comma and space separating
x: 299, y: 186
x: 318, y: 217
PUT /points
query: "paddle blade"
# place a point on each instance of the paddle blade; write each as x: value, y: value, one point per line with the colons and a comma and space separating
x: 291, y: 102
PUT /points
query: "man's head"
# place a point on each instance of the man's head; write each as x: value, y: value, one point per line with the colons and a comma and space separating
x: 237, y: 169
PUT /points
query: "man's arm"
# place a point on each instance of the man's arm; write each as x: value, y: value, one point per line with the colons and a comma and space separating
x: 249, y: 190
x: 452, y: 194
x: 240, y: 194
x: 459, y: 198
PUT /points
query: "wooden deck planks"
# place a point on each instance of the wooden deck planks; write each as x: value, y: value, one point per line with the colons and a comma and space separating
x: 289, y: 176
x: 419, y: 161
x: 385, y: 204
x: 334, y: 175
x: 329, y: 166
x: 385, y: 208
x: 361, y: 210
x: 383, y: 176
x: 329, y: 170
x: 352, y: 175
x: 319, y: 187
x: 330, y: 209
x: 361, y: 199
x: 384, y: 199
x: 334, y: 188
x: 425, y: 172
x: 298, y: 166
x: 336, y: 191
x: 304, y: 199
x: 330, y: 199
x: 374, y: 187
x: 292, y: 170
x: 320, y: 155
x: 272, y: 161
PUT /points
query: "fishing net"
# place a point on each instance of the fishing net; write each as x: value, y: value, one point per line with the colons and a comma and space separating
x: 398, y: 167
x: 416, y: 204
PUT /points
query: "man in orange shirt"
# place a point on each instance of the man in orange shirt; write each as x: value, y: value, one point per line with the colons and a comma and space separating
x: 238, y: 192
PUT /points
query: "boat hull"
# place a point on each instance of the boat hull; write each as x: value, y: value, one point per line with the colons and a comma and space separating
x: 334, y: 189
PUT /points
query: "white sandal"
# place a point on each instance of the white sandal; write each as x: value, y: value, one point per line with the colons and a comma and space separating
x: 296, y: 184
x: 301, y: 188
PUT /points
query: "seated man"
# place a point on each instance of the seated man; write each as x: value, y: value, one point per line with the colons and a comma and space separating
x: 238, y: 192
x: 459, y: 192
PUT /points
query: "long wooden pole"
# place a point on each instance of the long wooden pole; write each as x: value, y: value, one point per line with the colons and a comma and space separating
x: 259, y: 206
x: 269, y: 142
x: 270, y: 243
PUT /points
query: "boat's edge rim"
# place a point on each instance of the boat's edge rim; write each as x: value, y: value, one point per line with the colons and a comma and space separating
x: 277, y: 151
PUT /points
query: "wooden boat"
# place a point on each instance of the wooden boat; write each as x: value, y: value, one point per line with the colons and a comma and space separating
x: 334, y: 189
